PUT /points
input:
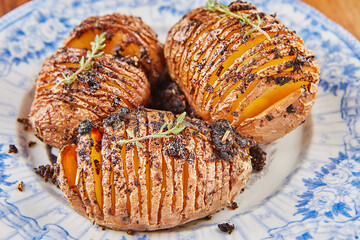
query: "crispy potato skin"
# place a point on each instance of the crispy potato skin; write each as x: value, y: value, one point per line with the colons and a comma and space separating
x: 221, y: 73
x: 167, y: 183
x: 126, y: 37
x: 109, y: 85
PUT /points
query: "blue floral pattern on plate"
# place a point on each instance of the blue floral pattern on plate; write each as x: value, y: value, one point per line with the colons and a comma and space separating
x: 317, y: 198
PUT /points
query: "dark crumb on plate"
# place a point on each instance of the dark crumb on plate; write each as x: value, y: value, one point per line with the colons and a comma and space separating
x: 21, y: 186
x: 52, y: 157
x: 209, y: 217
x: 31, y: 144
x: 103, y: 227
x: 226, y: 227
x: 26, y: 122
x: 12, y: 149
x: 130, y: 232
x: 258, y: 157
x: 242, y: 190
x: 233, y: 206
x: 48, y: 172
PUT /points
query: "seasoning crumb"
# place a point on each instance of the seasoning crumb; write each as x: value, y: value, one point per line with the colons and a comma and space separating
x: 233, y: 205
x: 12, y: 149
x: 21, y: 186
x: 209, y: 217
x: 26, y: 123
x: 226, y: 227
x: 31, y: 144
x: 131, y: 232
x: 48, y: 172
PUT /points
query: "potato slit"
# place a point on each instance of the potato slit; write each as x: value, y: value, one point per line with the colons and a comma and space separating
x: 274, y: 62
x: 270, y: 97
x: 236, y: 104
x: 225, y: 181
x: 128, y: 96
x: 173, y: 181
x: 188, y: 49
x: 85, y: 197
x: 230, y: 60
x: 214, y: 48
x: 136, y: 169
x: 112, y: 189
x: 252, y: 54
x: 187, y: 31
x: 70, y: 169
x: 230, y: 174
x: 185, y: 178
x: 197, y: 174
x: 218, y: 85
x: 142, y: 154
x: 218, y: 183
x: 163, y: 185
x: 96, y: 163
x: 147, y: 173
x: 131, y: 83
x: 207, y: 94
x: 123, y: 158
x: 204, y: 48
x: 228, y: 92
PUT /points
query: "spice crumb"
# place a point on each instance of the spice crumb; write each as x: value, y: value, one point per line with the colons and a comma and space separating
x: 26, y: 122
x: 233, y: 206
x: 12, y: 149
x: 21, y: 186
x: 31, y: 144
x: 209, y: 217
x: 226, y: 227
x: 130, y: 232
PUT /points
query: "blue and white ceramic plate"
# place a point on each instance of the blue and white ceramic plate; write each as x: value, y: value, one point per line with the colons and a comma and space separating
x: 310, y: 188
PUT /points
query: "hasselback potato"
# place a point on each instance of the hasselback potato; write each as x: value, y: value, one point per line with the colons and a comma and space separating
x: 104, y: 88
x: 264, y: 86
x: 128, y: 38
x: 161, y: 183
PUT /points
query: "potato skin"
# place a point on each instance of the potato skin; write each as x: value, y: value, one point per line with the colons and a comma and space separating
x: 170, y: 181
x: 221, y: 73
x: 109, y: 85
x: 127, y: 37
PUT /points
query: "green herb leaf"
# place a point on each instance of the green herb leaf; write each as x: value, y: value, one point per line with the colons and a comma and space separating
x: 96, y: 45
x: 131, y: 134
x: 169, y: 126
x: 213, y: 5
x: 181, y: 118
x: 170, y: 132
x: 178, y: 130
x: 139, y: 144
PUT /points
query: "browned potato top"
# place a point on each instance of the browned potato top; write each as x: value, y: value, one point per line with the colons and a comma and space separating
x: 249, y: 81
x: 109, y: 85
x: 170, y: 181
x: 128, y: 38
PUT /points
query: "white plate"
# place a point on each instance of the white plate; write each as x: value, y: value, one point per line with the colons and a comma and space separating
x: 310, y: 187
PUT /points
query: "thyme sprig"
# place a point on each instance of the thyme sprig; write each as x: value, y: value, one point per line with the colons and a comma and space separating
x: 213, y: 5
x: 170, y: 132
x: 96, y: 46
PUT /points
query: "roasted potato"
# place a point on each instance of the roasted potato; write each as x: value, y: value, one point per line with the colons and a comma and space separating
x: 163, y: 183
x: 264, y: 87
x: 107, y: 86
x: 128, y: 38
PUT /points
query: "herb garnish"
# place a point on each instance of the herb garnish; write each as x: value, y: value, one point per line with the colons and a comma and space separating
x: 172, y: 130
x: 213, y: 5
x: 96, y: 45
